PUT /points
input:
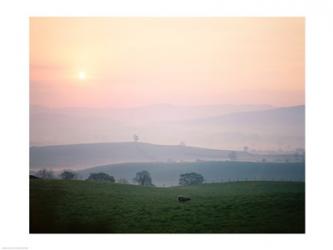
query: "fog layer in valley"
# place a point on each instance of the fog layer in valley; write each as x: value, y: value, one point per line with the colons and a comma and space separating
x: 257, y: 127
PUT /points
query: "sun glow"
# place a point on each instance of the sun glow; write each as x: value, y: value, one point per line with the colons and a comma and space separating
x: 82, y: 75
x: 185, y: 61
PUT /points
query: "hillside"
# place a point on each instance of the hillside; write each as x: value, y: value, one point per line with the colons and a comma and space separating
x: 91, y: 207
x: 80, y: 156
x: 87, y: 155
x: 167, y: 174
x: 278, y: 117
x: 277, y: 128
x: 221, y: 127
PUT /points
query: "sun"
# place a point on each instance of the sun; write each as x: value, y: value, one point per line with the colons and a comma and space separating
x: 82, y: 75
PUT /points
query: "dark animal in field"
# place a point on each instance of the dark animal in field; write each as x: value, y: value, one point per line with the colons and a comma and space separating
x: 181, y: 198
x: 33, y: 177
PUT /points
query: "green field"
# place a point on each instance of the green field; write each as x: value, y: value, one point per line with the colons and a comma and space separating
x: 58, y: 206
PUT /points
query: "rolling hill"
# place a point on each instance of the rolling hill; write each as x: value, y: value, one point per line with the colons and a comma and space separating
x: 158, y: 124
x: 291, y: 119
x: 167, y: 174
x: 87, y: 155
x: 273, y: 128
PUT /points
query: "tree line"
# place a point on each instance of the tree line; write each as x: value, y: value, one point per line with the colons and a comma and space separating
x: 142, y: 178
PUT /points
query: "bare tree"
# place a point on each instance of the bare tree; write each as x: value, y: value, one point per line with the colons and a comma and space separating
x: 135, y: 138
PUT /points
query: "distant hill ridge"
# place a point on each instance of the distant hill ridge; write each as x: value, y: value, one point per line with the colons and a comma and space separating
x: 263, y: 127
x: 87, y: 155
x: 80, y: 156
x: 284, y: 115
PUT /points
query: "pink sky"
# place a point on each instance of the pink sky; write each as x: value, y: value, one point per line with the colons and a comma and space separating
x: 187, y: 61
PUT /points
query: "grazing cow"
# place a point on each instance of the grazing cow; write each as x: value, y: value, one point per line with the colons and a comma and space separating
x: 181, y: 198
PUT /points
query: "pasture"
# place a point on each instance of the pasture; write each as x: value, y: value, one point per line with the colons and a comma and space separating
x: 76, y: 206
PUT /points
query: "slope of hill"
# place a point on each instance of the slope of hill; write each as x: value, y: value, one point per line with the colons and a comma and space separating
x: 279, y: 118
x: 58, y: 206
x: 167, y: 174
x: 153, y: 123
x: 209, y: 127
x: 87, y: 155
x: 274, y: 128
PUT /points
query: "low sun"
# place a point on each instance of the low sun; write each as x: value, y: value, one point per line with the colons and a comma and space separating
x: 82, y: 75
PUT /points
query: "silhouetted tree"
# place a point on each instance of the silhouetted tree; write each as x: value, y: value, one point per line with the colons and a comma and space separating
x: 101, y: 177
x: 143, y: 178
x: 45, y: 174
x: 135, y: 138
x: 190, y: 179
x: 68, y: 175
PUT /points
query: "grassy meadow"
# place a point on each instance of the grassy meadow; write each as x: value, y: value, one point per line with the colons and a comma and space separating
x: 58, y: 206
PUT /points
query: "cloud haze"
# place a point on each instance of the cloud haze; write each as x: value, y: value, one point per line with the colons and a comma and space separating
x: 184, y: 61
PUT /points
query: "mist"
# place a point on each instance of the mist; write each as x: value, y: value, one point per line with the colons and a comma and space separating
x: 258, y: 127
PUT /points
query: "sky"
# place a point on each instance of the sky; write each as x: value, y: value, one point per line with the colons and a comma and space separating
x: 126, y: 62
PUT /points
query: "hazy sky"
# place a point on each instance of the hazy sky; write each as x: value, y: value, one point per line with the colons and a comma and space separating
x: 123, y: 62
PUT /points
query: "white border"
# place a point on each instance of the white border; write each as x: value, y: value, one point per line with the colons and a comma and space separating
x: 14, y: 123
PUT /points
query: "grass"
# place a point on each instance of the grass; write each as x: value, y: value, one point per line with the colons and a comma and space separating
x: 58, y: 206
